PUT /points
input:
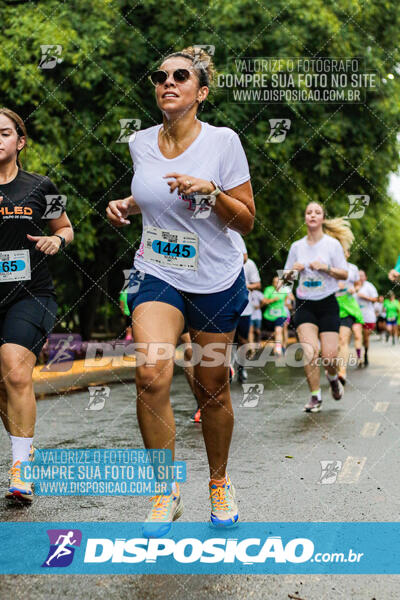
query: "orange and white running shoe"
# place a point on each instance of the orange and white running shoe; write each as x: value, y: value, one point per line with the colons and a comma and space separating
x: 165, y: 510
x: 224, y: 510
x: 18, y: 489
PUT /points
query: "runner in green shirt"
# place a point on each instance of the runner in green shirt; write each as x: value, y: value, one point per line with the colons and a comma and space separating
x: 392, y: 307
x: 275, y: 313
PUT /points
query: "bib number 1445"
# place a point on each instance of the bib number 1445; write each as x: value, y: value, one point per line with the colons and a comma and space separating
x: 170, y: 249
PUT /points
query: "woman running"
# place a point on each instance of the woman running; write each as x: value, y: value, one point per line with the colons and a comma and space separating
x: 319, y: 259
x: 27, y: 298
x: 193, y: 270
x: 380, y: 314
x: 275, y: 313
x: 366, y: 297
x: 351, y: 319
x: 256, y: 297
x: 392, y: 309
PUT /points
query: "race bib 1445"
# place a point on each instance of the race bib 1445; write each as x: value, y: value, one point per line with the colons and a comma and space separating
x: 178, y: 249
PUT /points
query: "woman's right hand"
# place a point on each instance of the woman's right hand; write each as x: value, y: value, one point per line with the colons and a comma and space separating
x: 117, y: 212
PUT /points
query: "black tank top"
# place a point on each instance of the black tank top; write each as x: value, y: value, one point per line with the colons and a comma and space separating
x: 21, y: 211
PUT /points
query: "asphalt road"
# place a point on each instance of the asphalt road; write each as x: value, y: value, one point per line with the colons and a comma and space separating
x: 274, y: 463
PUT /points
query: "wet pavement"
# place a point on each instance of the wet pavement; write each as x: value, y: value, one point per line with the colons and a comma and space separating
x: 275, y: 466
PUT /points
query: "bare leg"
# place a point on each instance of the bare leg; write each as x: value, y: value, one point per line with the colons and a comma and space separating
x: 357, y: 330
x: 366, y: 334
x: 156, y: 323
x: 213, y: 393
x: 17, y: 365
x: 308, y: 337
x: 329, y: 350
x: 278, y: 335
x: 285, y: 335
x: 343, y: 354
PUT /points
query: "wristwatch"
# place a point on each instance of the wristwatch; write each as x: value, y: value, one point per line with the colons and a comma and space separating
x: 213, y: 195
x: 62, y: 240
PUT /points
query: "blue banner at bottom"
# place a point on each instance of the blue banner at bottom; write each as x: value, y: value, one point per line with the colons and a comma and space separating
x: 249, y: 548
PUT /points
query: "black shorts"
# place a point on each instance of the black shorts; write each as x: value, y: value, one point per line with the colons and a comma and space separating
x: 347, y: 321
x: 28, y: 322
x: 323, y: 313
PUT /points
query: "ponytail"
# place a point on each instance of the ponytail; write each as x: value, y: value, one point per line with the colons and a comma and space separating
x: 340, y: 230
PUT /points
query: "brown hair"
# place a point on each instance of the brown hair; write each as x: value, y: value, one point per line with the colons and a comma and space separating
x: 338, y: 228
x: 19, y: 127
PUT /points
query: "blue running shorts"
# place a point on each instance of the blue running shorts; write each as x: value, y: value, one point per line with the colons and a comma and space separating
x: 214, y: 313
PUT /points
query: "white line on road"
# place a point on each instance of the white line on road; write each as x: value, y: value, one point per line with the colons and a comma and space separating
x: 351, y: 469
x: 381, y: 407
x: 370, y: 430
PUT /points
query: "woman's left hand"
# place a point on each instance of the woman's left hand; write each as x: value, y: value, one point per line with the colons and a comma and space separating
x: 48, y: 244
x: 186, y: 184
x: 316, y: 265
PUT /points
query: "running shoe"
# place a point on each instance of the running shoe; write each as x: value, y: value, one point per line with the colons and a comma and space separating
x: 18, y: 489
x: 336, y: 389
x: 224, y: 510
x: 242, y: 374
x: 342, y: 379
x: 231, y: 373
x: 313, y: 405
x: 359, y: 363
x: 196, y: 416
x: 165, y: 510
x: 366, y: 363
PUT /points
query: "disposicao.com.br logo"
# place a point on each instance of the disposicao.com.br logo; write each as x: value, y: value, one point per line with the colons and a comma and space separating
x: 251, y: 548
x: 214, y: 550
x: 195, y: 550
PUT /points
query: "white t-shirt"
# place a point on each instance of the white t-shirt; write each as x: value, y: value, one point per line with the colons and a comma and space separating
x: 379, y: 310
x: 353, y: 276
x: 250, y: 269
x: 255, y: 299
x: 315, y: 285
x: 367, y: 308
x: 215, y: 154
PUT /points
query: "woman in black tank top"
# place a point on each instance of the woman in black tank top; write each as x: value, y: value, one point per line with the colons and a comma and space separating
x: 29, y: 205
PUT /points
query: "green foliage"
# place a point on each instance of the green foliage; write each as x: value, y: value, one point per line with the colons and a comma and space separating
x: 72, y: 113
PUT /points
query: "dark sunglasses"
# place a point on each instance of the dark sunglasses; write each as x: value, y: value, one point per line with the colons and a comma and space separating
x: 159, y: 77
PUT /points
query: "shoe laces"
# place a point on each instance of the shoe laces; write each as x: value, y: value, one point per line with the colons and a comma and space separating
x: 219, y: 497
x: 160, y: 506
x: 15, y: 473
